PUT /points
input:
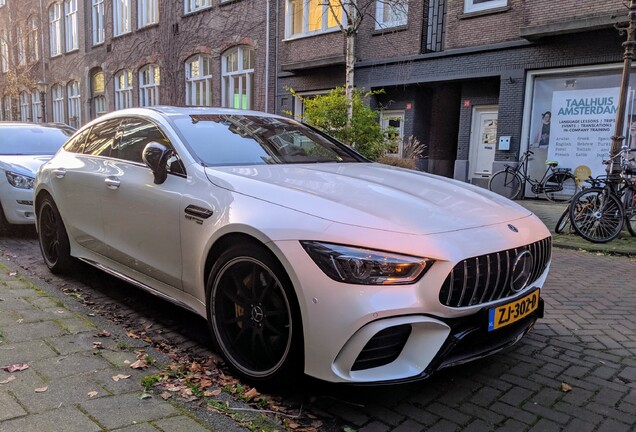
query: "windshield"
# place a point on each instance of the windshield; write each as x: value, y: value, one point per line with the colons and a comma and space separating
x: 27, y: 140
x: 234, y: 139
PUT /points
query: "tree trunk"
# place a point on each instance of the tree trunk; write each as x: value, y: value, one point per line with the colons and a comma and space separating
x: 349, y: 76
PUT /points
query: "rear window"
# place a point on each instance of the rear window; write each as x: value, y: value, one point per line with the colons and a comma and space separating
x: 27, y: 140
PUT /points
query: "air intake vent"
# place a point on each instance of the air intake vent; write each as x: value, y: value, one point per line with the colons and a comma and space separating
x: 383, y: 348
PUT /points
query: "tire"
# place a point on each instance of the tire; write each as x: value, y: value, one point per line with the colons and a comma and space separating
x: 505, y: 183
x: 4, y: 224
x: 596, y: 216
x: 54, y: 243
x: 630, y: 210
x: 563, y: 222
x: 256, y: 327
x: 560, y: 187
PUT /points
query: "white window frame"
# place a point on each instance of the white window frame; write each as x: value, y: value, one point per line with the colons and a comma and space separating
x: 299, y: 104
x: 198, y: 88
x: 71, y: 30
x: 147, y: 12
x: 55, y: 29
x: 190, y: 6
x: 122, y: 21
x: 74, y: 104
x: 123, y: 94
x: 98, y: 21
x: 2, y: 2
x: 402, y: 7
x: 57, y: 98
x: 227, y: 81
x: 305, y: 19
x: 149, y: 85
x: 21, y: 46
x: 4, y: 52
x: 25, y: 106
x: 33, y: 39
x: 36, y: 107
x: 385, y: 118
x: 7, y: 108
x: 471, y: 6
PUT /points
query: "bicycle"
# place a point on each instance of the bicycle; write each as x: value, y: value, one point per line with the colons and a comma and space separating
x: 564, y: 219
x: 598, y: 214
x: 558, y: 184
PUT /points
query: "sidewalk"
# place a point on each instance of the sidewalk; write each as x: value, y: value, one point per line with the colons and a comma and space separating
x: 549, y: 213
x: 62, y: 369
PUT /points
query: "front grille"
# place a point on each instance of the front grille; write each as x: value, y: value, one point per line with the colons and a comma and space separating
x: 486, y: 278
x: 383, y: 348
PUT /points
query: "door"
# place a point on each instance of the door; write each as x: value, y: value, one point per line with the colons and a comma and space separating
x: 483, y: 143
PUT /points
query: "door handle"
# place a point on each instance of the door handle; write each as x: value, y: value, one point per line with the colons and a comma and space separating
x: 112, y: 182
x: 59, y: 172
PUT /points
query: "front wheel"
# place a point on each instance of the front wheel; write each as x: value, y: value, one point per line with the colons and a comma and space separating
x: 54, y: 242
x: 596, y: 215
x: 560, y: 187
x: 505, y: 183
x: 563, y: 222
x: 253, y: 315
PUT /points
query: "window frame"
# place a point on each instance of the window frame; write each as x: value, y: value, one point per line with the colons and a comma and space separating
x: 471, y: 6
x: 7, y: 108
x: 305, y: 19
x: 25, y: 106
x: 33, y: 39
x: 122, y: 17
x: 380, y: 6
x: 4, y: 52
x: 248, y: 74
x: 57, y: 103
x: 36, y: 107
x: 198, y: 88
x: 55, y: 29
x: 71, y: 26
x: 149, y: 91
x: 98, y: 96
x: 74, y: 103
x: 97, y: 20
x: 123, y: 95
x: 147, y: 13
x: 190, y: 6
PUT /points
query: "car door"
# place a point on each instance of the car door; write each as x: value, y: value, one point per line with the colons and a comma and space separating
x: 78, y: 183
x: 141, y: 219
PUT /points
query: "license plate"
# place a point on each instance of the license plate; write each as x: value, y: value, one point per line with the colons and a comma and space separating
x: 509, y: 313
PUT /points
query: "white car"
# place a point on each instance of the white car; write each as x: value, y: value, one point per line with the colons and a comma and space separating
x: 23, y: 148
x: 302, y: 255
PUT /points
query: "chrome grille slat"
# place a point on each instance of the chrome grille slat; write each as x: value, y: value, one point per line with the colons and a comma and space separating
x: 472, y: 282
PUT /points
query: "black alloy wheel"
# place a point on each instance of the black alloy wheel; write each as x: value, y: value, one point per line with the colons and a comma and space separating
x: 54, y: 243
x: 252, y: 312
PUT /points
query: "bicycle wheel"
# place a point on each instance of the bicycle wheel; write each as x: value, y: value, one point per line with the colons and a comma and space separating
x: 505, y: 183
x: 596, y: 215
x: 560, y: 187
x: 563, y: 222
x: 629, y: 201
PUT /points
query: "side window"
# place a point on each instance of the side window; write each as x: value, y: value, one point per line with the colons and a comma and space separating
x: 102, y: 138
x: 137, y: 133
x: 76, y: 144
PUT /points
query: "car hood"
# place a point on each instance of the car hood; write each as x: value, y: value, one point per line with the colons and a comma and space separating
x: 23, y: 164
x: 371, y: 195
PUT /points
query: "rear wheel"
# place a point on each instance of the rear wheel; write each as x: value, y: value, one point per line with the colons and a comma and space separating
x: 560, y: 187
x: 505, y: 183
x: 596, y: 215
x: 630, y: 211
x: 563, y: 222
x: 54, y: 243
x: 253, y: 315
x: 4, y: 225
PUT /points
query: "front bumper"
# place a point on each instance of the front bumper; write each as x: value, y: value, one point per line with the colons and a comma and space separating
x: 17, y: 204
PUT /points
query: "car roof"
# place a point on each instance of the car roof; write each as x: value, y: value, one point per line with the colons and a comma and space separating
x: 31, y: 125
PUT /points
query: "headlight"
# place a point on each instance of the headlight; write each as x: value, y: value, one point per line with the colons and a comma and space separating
x: 365, y: 266
x: 20, y: 181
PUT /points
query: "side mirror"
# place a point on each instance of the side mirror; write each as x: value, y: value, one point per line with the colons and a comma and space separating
x: 156, y: 156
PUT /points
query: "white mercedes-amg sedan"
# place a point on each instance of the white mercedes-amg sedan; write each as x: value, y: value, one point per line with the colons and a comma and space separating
x: 303, y: 256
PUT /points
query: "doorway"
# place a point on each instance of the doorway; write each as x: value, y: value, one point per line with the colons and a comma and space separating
x: 483, y: 144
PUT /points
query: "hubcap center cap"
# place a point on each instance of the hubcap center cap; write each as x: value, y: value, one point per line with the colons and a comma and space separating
x: 257, y: 314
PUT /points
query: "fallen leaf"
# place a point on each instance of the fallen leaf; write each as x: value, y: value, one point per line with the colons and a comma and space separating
x: 206, y: 383
x: 139, y: 364
x: 120, y: 377
x: 251, y: 394
x: 133, y: 335
x: 41, y: 389
x: 92, y: 394
x: 566, y: 387
x: 165, y: 395
x: 98, y: 345
x: 145, y: 396
x: 16, y: 367
x: 13, y: 273
x: 147, y: 339
x: 293, y: 425
x: 103, y: 333
x: 212, y: 393
x: 8, y: 380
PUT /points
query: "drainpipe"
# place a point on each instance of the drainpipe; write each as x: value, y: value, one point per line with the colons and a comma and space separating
x: 42, y: 57
x: 267, y: 56
x: 276, y: 58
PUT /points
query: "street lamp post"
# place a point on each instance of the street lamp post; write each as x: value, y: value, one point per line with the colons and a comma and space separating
x: 628, y: 57
x: 42, y: 87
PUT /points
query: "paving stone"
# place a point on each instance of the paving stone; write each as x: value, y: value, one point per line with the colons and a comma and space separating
x: 70, y: 344
x: 544, y: 425
x: 485, y: 414
x: 375, y: 426
x: 24, y: 352
x: 67, y: 419
x: 577, y: 425
x: 32, y: 331
x: 614, y: 426
x: 36, y: 315
x: 62, y: 392
x: 512, y: 426
x: 410, y: 426
x: 123, y: 410
x: 76, y: 325
x: 26, y: 380
x: 348, y: 414
x: 514, y: 413
x: 180, y: 424
x: 448, y: 413
x: 44, y: 302
x: 63, y: 366
x: 417, y: 414
x: 478, y: 426
x: 544, y: 412
x: 516, y: 395
x: 143, y: 427
x: 9, y: 407
x: 628, y: 375
x: 444, y: 426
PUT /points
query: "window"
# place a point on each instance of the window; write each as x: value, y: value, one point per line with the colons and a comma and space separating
x: 2, y: 3
x: 148, y: 12
x: 195, y: 5
x: 4, y: 52
x: 98, y: 21
x: 97, y: 89
x: 198, y: 81
x: 102, y: 138
x: 480, y: 5
x: 55, y: 29
x: 25, y: 106
x: 390, y: 13
x: 312, y: 16
x: 33, y: 39
x: 238, y: 78
x: 76, y: 144
x: 392, y: 123
x: 74, y: 104
x: 149, y: 80
x: 36, y: 107
x: 57, y: 97
x: 21, y: 46
x: 137, y: 134
x: 121, y: 17
x: 123, y: 89
x: 8, y: 108
x: 70, y: 25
